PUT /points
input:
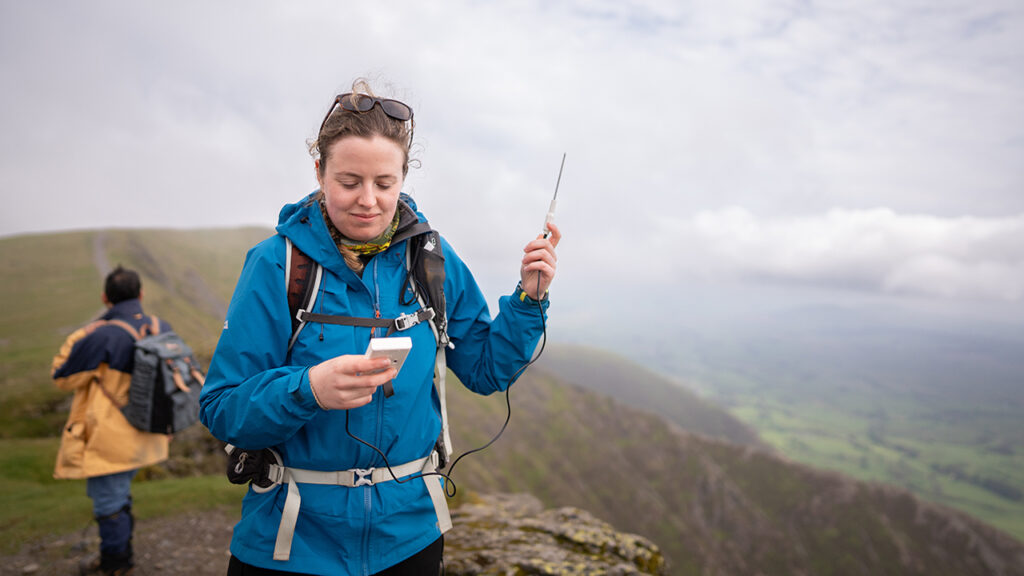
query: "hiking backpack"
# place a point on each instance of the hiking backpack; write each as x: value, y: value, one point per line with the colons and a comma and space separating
x: 163, y: 396
x: 425, y: 275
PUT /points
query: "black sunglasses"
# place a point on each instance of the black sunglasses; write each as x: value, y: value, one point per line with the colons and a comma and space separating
x: 363, y: 103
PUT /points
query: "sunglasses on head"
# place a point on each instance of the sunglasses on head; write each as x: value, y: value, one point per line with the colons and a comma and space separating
x: 363, y: 103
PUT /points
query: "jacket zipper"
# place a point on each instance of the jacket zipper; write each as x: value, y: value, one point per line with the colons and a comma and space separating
x: 367, y: 490
x: 367, y: 506
x: 376, y: 313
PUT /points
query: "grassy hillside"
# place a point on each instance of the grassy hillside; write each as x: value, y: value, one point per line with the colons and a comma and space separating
x: 634, y: 385
x: 52, y: 285
x: 713, y: 507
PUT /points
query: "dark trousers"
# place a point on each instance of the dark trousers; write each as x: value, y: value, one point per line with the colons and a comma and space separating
x: 425, y: 562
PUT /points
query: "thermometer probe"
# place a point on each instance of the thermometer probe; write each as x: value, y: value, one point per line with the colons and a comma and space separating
x: 554, y: 200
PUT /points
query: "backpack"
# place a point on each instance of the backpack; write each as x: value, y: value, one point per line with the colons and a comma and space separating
x: 163, y: 396
x: 424, y: 272
x: 425, y: 275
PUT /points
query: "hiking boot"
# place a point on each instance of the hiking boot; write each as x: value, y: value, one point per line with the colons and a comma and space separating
x: 115, y: 558
x: 95, y: 566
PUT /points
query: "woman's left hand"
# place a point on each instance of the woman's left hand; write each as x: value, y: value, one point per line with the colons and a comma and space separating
x: 539, y: 262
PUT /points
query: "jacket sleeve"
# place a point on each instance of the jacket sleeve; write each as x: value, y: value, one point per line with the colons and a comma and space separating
x: 77, y: 360
x: 488, y: 353
x: 251, y: 398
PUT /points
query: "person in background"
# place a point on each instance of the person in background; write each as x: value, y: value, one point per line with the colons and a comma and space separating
x: 312, y: 402
x: 98, y: 443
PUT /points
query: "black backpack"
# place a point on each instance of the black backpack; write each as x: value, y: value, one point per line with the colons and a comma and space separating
x: 166, y: 379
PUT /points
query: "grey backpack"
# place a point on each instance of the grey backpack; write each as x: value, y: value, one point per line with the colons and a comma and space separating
x: 166, y: 380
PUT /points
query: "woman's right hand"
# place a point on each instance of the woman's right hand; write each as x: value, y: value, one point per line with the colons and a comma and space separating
x: 347, y: 382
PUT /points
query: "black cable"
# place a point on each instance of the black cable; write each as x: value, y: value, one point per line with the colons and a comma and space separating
x: 508, y: 401
x: 508, y: 416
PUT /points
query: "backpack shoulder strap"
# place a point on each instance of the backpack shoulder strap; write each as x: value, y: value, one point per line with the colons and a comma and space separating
x: 136, y: 336
x: 154, y: 326
x: 127, y: 328
x: 302, y: 277
x: 424, y: 262
x: 151, y: 329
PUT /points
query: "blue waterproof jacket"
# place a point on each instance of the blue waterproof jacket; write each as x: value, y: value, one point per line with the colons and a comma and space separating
x: 257, y: 395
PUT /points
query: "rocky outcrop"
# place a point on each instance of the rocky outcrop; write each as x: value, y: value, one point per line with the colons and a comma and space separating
x: 513, y: 534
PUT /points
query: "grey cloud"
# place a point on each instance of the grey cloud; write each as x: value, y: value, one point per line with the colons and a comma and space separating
x: 874, y: 249
x: 667, y: 112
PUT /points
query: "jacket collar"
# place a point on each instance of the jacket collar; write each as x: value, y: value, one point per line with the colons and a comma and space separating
x: 124, y: 309
x: 409, y: 223
x: 303, y: 223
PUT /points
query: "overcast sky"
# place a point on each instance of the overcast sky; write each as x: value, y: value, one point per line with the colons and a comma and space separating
x: 854, y: 146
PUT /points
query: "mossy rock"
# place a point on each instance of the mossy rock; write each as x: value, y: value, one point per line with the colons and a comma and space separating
x: 511, y: 534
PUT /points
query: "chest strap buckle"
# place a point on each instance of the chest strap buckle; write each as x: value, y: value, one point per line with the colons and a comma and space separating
x: 364, y: 476
x: 406, y: 321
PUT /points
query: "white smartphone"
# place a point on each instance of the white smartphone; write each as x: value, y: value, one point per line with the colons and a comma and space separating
x: 395, y: 349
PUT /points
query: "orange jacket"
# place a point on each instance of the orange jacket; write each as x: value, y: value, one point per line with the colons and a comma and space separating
x: 95, y: 363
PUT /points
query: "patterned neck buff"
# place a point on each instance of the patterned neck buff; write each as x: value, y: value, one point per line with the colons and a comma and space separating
x: 351, y: 250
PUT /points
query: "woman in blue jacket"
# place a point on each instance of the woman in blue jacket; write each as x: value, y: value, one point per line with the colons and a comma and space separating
x: 334, y: 506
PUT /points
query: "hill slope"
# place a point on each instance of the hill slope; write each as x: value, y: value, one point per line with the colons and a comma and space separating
x: 713, y: 507
x: 916, y: 399
x: 636, y: 386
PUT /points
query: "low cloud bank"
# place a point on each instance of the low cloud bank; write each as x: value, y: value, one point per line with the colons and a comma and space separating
x: 875, y: 250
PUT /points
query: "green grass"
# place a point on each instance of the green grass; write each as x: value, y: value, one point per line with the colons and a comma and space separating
x: 34, y: 505
x: 858, y: 439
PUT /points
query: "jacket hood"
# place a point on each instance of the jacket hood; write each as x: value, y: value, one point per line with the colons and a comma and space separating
x: 303, y: 224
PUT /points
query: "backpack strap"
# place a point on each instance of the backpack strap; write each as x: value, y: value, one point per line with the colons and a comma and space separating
x: 424, y: 262
x: 153, y: 327
x: 135, y: 334
x: 424, y: 265
x: 150, y: 329
x: 292, y: 477
x: 403, y: 322
x: 301, y: 282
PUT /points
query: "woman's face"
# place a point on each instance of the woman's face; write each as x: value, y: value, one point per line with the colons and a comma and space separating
x: 361, y: 182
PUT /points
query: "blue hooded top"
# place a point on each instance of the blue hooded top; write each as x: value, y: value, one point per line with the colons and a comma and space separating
x: 257, y: 394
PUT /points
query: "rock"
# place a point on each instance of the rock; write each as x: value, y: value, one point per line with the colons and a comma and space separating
x: 513, y: 534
